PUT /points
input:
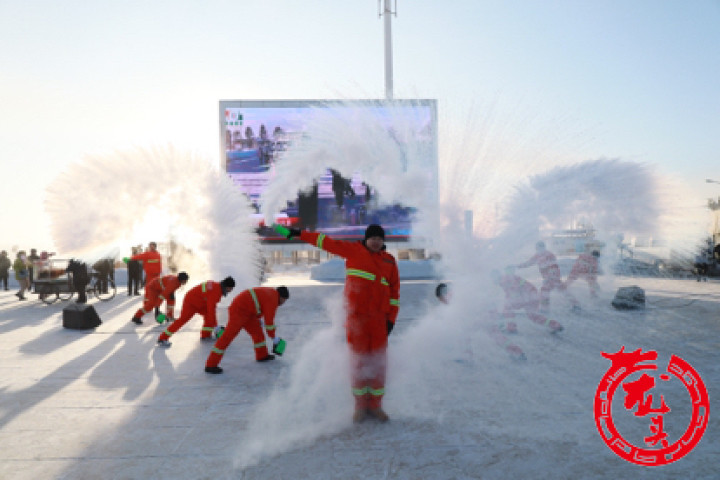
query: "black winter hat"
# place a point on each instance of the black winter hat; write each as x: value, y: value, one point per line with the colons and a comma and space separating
x: 374, y: 230
x: 228, y: 282
x: 283, y: 291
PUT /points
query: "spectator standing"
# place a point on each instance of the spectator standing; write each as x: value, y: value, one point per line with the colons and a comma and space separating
x: 5, y: 265
x: 105, y: 270
x: 80, y: 278
x: 702, y: 266
x: 134, y: 268
x: 33, y: 257
x: 22, y: 272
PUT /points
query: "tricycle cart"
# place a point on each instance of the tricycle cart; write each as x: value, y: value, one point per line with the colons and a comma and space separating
x: 51, y: 281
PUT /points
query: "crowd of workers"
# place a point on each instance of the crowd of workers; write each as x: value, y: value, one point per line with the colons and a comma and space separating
x: 371, y: 294
x: 372, y: 290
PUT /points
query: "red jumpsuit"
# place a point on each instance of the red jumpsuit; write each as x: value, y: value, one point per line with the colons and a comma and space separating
x: 244, y: 313
x: 159, y: 290
x: 151, y: 263
x: 372, y: 293
x: 201, y: 299
x: 521, y: 294
x: 586, y: 266
x: 550, y: 272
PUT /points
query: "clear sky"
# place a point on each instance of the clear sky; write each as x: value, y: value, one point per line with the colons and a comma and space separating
x: 640, y: 79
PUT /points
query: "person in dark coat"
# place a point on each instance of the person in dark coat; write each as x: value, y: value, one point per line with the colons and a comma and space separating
x: 5, y: 265
x: 80, y: 278
x: 308, y: 208
x: 105, y: 270
x: 134, y: 268
x: 33, y: 257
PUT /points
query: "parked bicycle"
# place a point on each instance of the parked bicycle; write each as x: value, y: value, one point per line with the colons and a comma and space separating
x: 102, y: 289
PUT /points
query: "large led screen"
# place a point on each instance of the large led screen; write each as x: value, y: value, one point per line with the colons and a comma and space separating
x: 255, y: 135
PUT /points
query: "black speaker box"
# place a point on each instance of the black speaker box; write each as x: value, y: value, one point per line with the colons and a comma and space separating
x: 79, y: 316
x: 629, y: 298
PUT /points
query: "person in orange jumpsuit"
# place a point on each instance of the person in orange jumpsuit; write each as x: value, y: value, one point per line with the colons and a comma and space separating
x: 151, y: 262
x: 201, y: 299
x: 550, y: 272
x: 586, y: 266
x: 162, y: 289
x: 372, y: 294
x: 245, y: 312
x: 522, y: 295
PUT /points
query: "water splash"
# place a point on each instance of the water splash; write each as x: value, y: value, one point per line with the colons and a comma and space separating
x: 104, y: 204
x: 382, y: 147
x: 515, y: 197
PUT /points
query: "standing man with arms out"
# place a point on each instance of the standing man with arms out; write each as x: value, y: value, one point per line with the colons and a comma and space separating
x: 245, y: 312
x: 151, y: 262
x: 201, y: 299
x: 162, y: 289
x: 372, y: 293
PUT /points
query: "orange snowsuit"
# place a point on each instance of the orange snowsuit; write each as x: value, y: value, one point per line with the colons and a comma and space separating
x: 151, y: 263
x: 159, y: 290
x: 201, y: 299
x: 372, y: 293
x: 244, y: 313
x: 586, y: 266
x: 550, y: 272
x: 521, y: 295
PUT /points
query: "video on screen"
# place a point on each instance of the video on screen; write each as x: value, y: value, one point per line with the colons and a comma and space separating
x: 256, y: 135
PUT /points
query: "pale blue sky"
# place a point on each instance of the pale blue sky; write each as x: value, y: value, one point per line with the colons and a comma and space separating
x: 640, y: 79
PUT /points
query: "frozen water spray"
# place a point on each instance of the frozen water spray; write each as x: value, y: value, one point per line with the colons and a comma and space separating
x: 428, y: 361
x: 104, y: 204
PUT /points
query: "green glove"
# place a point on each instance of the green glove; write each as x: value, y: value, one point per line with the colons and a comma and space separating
x: 126, y: 259
x: 279, y: 347
x: 281, y: 230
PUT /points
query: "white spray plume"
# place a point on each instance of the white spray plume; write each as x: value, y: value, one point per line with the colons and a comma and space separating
x: 105, y: 204
x: 382, y: 149
x: 312, y: 399
x: 446, y: 361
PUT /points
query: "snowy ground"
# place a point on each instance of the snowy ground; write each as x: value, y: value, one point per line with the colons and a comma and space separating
x: 107, y: 404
